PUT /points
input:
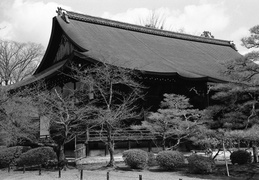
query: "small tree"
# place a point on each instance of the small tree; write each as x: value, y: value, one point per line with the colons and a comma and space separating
x: 207, y: 34
x: 175, y: 119
x: 114, y: 92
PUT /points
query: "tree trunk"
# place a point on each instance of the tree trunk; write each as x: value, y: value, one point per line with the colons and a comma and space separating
x: 110, y: 148
x: 163, y: 142
x: 224, y: 150
x: 255, y: 154
x: 61, y: 156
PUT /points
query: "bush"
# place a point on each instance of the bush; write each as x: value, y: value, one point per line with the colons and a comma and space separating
x: 200, y: 164
x: 37, y: 156
x: 9, y: 155
x: 135, y: 158
x: 53, y: 163
x: 240, y: 157
x: 2, y: 147
x: 170, y: 159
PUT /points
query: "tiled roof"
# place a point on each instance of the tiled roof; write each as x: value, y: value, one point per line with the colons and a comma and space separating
x: 146, y: 49
x: 142, y: 29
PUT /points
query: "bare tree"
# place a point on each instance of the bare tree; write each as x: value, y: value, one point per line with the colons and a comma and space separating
x: 18, y: 60
x: 155, y: 19
x: 114, y: 92
x: 68, y: 116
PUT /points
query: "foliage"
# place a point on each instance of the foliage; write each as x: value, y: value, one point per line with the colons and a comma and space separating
x: 135, y: 158
x: 17, y: 120
x: 201, y: 164
x: 240, y: 157
x: 207, y: 34
x: 170, y: 159
x: 244, y: 69
x: 175, y: 119
x: 247, y: 135
x: 236, y: 109
x: 9, y: 155
x: 37, y: 156
x: 207, y: 138
x: 252, y: 40
x: 18, y: 60
x: 236, y: 104
x: 2, y: 147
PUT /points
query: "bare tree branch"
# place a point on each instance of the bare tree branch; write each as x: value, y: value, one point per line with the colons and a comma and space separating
x: 18, y: 60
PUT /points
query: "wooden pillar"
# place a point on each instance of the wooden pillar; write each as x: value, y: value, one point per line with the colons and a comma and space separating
x: 75, y: 149
x: 129, y: 144
x: 255, y: 154
x: 106, y: 149
x: 87, y: 149
x: 87, y: 143
x: 149, y: 146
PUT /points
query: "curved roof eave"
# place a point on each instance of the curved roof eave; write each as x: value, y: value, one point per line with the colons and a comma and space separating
x: 47, y: 73
x: 91, y: 59
x: 49, y: 47
x: 53, y: 45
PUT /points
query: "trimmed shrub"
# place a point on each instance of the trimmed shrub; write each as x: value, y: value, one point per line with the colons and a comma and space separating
x: 2, y: 147
x: 170, y: 159
x: 9, y: 155
x: 53, y: 163
x: 201, y: 164
x: 37, y: 156
x: 240, y: 157
x: 135, y: 158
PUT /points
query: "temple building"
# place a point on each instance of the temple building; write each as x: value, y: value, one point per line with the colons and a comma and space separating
x: 170, y: 62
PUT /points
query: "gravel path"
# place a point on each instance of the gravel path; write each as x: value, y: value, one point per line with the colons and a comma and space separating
x: 74, y: 174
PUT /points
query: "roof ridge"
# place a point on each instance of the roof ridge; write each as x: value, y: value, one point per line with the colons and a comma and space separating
x: 138, y: 28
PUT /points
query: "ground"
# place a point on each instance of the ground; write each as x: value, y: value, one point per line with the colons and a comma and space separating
x: 99, y: 171
x: 94, y: 169
x: 74, y: 174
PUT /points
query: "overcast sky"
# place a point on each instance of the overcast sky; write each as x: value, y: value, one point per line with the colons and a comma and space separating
x: 31, y: 20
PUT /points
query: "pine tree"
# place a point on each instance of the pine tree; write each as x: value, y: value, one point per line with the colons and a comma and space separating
x: 176, y: 119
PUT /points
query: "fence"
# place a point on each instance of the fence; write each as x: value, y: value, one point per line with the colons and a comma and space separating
x: 92, y: 175
x: 126, y: 134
